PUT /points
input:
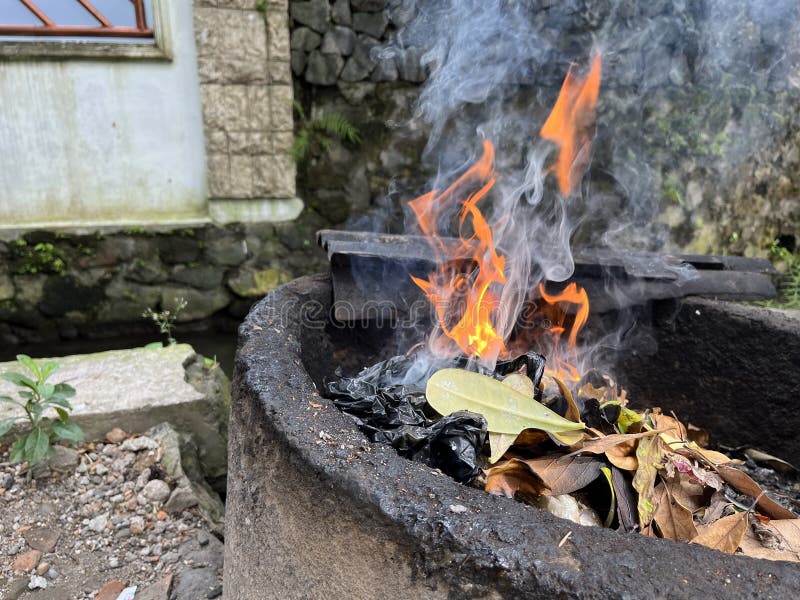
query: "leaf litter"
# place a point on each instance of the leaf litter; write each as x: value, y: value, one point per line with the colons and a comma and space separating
x: 577, y: 450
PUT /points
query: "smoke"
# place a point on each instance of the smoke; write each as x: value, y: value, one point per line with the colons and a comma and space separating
x: 683, y: 93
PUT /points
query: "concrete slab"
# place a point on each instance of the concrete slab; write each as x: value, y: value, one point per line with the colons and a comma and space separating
x: 139, y: 388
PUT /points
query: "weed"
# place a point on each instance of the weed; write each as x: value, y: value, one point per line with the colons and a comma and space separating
x: 320, y: 132
x: 165, y: 320
x: 35, y: 396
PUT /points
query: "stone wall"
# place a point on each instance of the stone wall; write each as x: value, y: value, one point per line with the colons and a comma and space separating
x: 246, y: 92
x: 698, y: 119
x: 66, y: 286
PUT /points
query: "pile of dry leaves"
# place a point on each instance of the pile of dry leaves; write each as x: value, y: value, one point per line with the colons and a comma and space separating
x: 582, y: 453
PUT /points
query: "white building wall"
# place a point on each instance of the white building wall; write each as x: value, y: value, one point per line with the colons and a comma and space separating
x: 86, y: 141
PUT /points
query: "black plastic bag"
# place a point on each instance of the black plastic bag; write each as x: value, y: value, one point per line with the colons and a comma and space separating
x: 397, y: 414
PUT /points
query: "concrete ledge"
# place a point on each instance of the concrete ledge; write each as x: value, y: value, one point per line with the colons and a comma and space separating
x: 140, y: 388
x: 254, y: 210
x: 333, y: 515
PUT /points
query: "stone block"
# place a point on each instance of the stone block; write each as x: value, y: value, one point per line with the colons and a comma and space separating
x: 339, y: 40
x: 216, y: 142
x: 231, y: 45
x: 409, y: 65
x: 203, y: 277
x: 122, y: 289
x: 252, y: 143
x: 368, y: 5
x: 306, y: 39
x: 6, y: 287
x: 385, y: 70
x: 280, y: 71
x: 218, y: 174
x: 258, y: 103
x: 299, y: 60
x: 285, y: 176
x: 200, y: 304
x: 314, y: 13
x: 340, y: 13
x: 241, y: 183
x: 278, y: 35
x: 360, y: 65
x: 142, y: 388
x: 253, y: 283
x: 323, y: 69
x: 225, y: 107
x: 281, y: 98
x: 373, y: 24
x: 282, y: 142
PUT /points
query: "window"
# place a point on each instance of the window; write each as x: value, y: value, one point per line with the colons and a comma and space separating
x: 92, y: 28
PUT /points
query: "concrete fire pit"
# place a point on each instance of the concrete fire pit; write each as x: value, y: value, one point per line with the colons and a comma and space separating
x: 314, y: 510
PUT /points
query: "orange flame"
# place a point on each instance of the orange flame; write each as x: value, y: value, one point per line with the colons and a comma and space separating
x: 575, y: 295
x: 571, y: 125
x: 472, y: 296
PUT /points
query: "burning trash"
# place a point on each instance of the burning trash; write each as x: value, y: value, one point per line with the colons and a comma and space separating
x: 523, y: 411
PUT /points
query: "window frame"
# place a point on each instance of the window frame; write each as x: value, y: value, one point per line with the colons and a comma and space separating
x: 160, y: 48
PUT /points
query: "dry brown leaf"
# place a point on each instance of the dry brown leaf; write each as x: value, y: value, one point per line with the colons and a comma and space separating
x: 553, y: 475
x: 573, y: 412
x: 623, y: 455
x: 685, y: 492
x: 565, y: 474
x: 670, y: 425
x: 697, y: 435
x: 773, y: 462
x: 650, y: 454
x: 673, y: 519
x: 725, y: 534
x: 743, y: 483
x: 602, y: 444
x: 510, y: 477
x: 716, y: 507
x: 787, y: 546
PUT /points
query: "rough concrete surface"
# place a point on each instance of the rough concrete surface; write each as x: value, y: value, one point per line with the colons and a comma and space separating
x: 139, y: 388
x: 315, y: 510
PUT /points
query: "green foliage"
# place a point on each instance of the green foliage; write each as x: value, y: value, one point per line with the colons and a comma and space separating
x: 35, y: 395
x: 262, y: 6
x: 165, y: 320
x: 320, y: 132
x: 789, y: 282
x: 39, y: 258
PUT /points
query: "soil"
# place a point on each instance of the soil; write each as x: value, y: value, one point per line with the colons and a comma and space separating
x: 92, y: 521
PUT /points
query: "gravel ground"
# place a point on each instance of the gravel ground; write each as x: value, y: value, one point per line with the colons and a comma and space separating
x: 97, y: 519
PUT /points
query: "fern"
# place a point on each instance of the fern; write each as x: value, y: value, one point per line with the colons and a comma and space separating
x: 789, y: 282
x: 320, y: 132
x: 338, y: 126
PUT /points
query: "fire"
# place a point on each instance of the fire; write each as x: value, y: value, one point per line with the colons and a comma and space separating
x: 448, y: 287
x: 467, y: 301
x: 574, y: 295
x: 571, y: 126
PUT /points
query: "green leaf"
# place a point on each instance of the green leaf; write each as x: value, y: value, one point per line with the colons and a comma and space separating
x: 505, y: 409
x: 59, y: 401
x: 17, y: 452
x: 48, y: 369
x: 154, y: 346
x: 62, y: 414
x: 29, y: 362
x: 45, y: 390
x: 613, y: 507
x: 68, y: 431
x: 64, y: 390
x: 6, y: 425
x: 37, y: 443
x: 19, y: 379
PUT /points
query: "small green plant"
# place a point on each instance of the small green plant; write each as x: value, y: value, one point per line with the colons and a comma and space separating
x: 35, y: 396
x: 39, y: 258
x: 165, y: 320
x: 789, y: 282
x: 262, y: 6
x: 320, y: 132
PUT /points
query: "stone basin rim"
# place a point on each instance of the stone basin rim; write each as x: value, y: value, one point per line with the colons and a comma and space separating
x: 501, y: 545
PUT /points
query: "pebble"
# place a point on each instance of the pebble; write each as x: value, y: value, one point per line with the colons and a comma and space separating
x: 99, y: 523
x: 116, y: 435
x: 25, y: 563
x: 37, y: 582
x: 113, y: 562
x: 43, y: 568
x: 156, y: 490
x: 136, y: 525
x: 140, y: 443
